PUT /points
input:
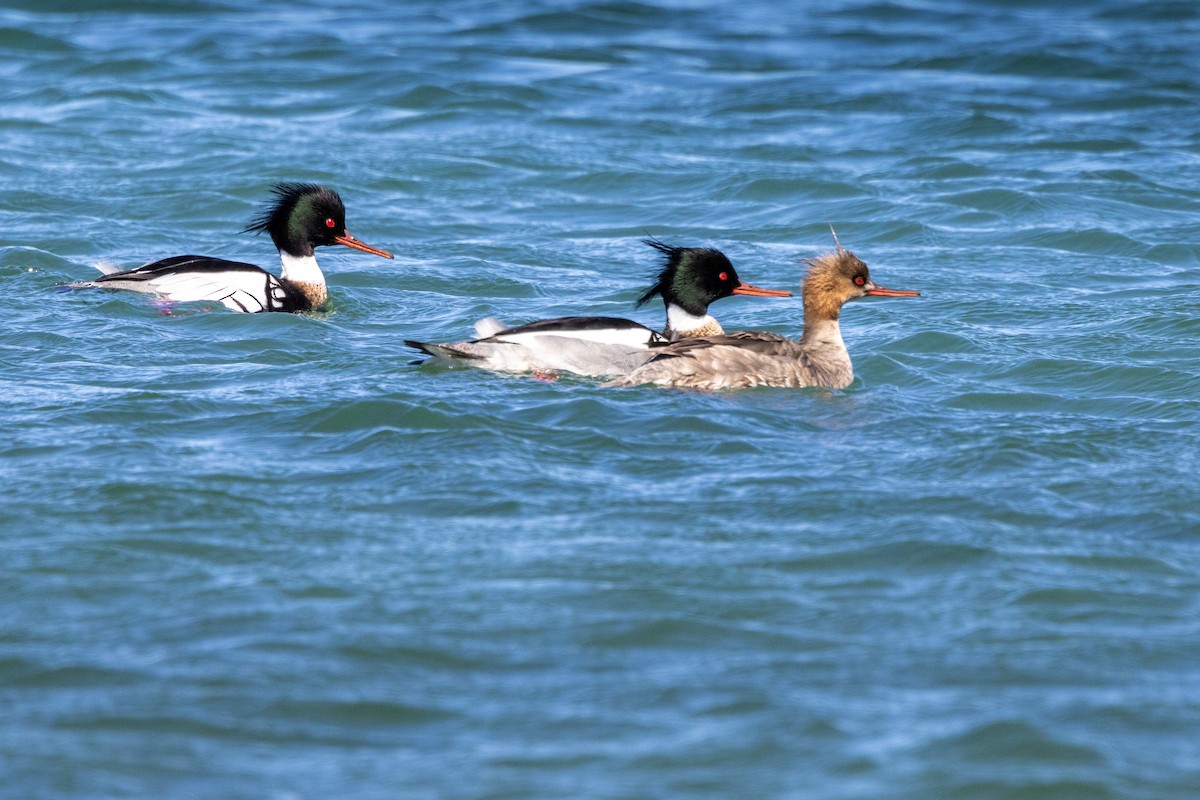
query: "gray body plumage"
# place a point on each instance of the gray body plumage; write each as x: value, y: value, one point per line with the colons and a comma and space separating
x: 602, y: 347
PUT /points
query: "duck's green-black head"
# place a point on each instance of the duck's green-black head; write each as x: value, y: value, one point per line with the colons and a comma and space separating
x: 694, y: 277
x: 304, y: 216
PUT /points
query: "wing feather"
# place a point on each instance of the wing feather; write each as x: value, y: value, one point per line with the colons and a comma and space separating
x: 236, y: 285
x: 763, y: 342
x: 601, y: 330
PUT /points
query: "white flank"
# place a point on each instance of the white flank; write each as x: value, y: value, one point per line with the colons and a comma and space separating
x: 555, y: 354
x: 106, y: 268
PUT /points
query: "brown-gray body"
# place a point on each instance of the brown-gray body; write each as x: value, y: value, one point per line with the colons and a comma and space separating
x: 742, y: 360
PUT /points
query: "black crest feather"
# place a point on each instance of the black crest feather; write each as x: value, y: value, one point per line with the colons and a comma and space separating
x: 286, y: 194
x: 663, y: 277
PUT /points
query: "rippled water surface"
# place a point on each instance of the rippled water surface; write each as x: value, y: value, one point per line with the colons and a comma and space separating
x: 266, y: 556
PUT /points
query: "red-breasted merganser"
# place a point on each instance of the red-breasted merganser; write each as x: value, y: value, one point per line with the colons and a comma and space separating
x: 690, y: 279
x: 751, y: 358
x: 302, y: 217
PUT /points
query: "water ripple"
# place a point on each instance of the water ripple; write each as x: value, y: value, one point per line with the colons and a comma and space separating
x: 248, y: 554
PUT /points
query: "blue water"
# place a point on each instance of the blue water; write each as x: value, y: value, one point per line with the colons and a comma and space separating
x: 265, y: 556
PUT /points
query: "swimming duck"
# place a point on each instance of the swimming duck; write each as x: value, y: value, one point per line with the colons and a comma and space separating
x: 690, y: 279
x: 738, y: 360
x: 302, y: 217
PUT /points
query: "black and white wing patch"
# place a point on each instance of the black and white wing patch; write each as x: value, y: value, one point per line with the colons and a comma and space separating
x: 602, y: 330
x: 234, y: 284
x: 762, y: 342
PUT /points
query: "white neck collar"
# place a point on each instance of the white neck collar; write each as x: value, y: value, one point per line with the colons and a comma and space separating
x: 302, y: 269
x: 681, y: 323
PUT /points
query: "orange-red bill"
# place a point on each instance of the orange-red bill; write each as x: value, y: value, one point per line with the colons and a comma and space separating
x: 883, y: 291
x: 350, y: 241
x: 756, y: 291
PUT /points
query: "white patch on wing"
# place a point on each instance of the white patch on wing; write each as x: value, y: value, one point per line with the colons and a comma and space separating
x: 237, y: 290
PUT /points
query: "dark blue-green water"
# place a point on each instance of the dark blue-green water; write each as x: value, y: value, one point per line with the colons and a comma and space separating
x: 265, y: 556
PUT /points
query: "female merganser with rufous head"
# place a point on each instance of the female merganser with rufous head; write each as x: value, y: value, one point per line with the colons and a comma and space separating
x: 691, y: 278
x: 302, y: 218
x: 751, y: 358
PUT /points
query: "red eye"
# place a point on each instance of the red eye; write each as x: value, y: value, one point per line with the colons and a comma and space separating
x: 859, y: 281
x: 329, y: 223
x: 724, y: 276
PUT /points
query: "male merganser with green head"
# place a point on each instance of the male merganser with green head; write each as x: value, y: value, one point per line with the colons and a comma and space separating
x: 691, y: 278
x: 302, y: 217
